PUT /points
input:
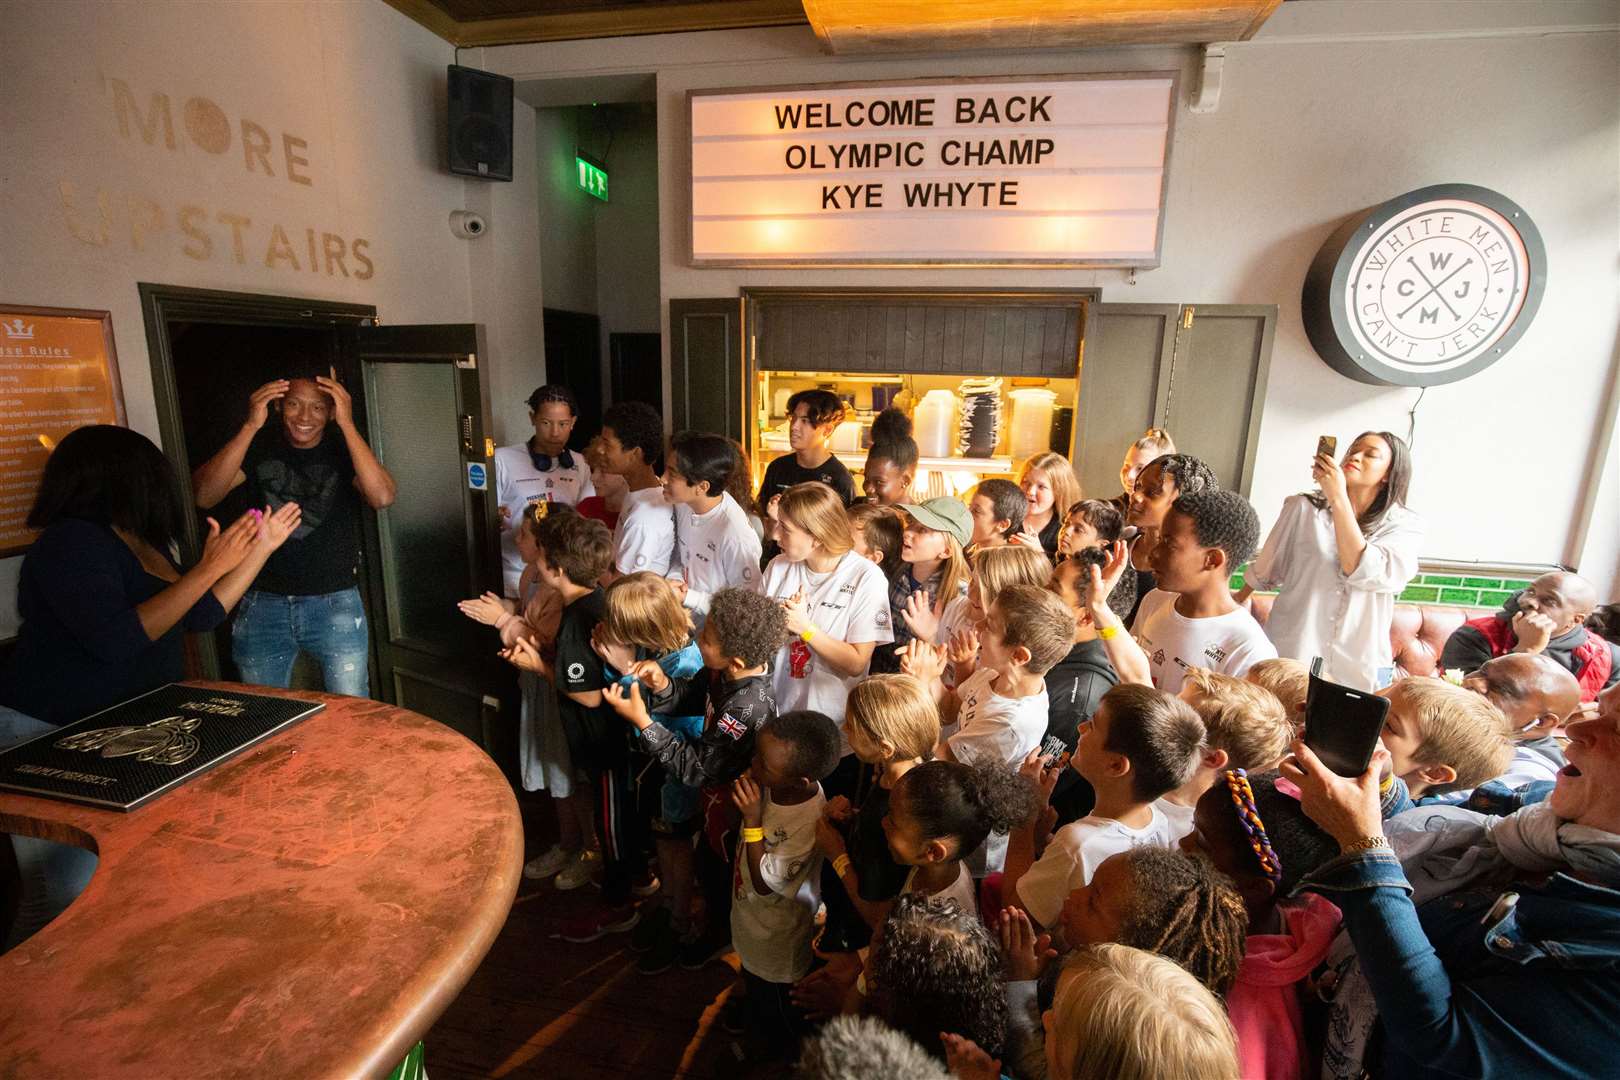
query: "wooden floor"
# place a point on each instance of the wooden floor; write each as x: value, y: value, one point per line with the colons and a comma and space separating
x: 541, y: 1007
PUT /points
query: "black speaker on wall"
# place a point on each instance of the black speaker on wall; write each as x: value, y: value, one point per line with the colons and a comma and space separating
x: 480, y: 124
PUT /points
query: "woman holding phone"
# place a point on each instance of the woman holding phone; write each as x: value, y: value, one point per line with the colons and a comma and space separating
x: 1338, y: 557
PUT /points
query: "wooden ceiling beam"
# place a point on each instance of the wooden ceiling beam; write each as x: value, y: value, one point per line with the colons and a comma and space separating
x: 620, y: 22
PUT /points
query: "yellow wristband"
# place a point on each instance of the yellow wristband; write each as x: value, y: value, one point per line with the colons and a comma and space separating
x: 1366, y: 843
x: 809, y: 633
x: 1107, y: 633
x: 1386, y: 783
x: 841, y: 865
x: 753, y: 836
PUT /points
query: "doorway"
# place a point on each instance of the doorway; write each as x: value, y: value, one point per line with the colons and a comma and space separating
x: 422, y: 406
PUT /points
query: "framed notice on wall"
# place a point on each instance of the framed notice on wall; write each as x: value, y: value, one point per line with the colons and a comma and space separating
x: 58, y: 371
x: 1052, y: 170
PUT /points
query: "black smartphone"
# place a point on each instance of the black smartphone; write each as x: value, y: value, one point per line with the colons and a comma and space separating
x: 1342, y: 723
x: 1327, y: 444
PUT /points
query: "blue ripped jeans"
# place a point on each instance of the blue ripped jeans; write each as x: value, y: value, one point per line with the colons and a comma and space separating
x: 271, y: 629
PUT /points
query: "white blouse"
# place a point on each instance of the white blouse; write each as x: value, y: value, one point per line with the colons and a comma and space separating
x: 1321, y: 610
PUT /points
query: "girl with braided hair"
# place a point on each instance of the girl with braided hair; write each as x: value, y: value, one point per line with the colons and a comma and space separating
x: 1261, y: 839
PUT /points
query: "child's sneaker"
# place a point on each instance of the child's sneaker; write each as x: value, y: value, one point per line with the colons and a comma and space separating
x: 649, y: 930
x: 661, y: 957
x: 586, y: 867
x: 645, y: 885
x: 600, y: 923
x: 697, y: 952
x: 543, y: 866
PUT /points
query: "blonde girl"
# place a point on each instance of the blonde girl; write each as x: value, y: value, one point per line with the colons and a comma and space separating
x: 837, y: 608
x: 889, y: 723
x: 1050, y: 487
x: 994, y: 569
x: 933, y: 571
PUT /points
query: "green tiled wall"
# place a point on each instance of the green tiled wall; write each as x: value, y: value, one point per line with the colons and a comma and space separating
x: 1447, y: 589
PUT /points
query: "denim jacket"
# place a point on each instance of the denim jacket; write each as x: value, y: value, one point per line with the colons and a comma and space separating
x: 1472, y: 985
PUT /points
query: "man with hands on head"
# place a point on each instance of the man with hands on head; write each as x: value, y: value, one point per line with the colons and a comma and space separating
x: 1545, y: 619
x: 306, y: 597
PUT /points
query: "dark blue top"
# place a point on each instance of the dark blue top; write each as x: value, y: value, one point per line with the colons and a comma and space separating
x: 81, y: 647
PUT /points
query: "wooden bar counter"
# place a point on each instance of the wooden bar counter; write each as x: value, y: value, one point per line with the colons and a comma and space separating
x: 306, y: 909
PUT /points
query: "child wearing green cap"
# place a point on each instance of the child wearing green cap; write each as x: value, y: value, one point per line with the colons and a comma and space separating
x: 932, y: 571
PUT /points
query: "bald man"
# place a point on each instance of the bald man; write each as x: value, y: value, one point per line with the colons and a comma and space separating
x: 1537, y: 695
x: 1545, y: 619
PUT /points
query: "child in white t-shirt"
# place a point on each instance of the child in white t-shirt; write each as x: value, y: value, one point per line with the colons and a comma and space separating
x: 540, y: 469
x: 632, y: 444
x: 1191, y: 620
x: 837, y: 606
x: 1138, y: 745
x: 715, y: 546
x: 777, y: 887
x: 1001, y: 709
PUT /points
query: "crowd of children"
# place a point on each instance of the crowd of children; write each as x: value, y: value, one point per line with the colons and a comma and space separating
x: 982, y: 787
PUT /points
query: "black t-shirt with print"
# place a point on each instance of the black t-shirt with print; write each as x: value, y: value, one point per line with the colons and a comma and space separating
x: 321, y: 556
x: 786, y: 471
x: 578, y: 670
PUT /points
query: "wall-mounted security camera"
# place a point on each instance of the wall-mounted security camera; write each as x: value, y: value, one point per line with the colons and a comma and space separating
x: 468, y: 225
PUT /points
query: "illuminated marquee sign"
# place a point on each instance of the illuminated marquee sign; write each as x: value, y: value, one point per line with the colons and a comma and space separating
x: 1041, y: 171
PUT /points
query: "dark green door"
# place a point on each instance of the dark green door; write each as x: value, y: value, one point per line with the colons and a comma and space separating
x: 427, y: 411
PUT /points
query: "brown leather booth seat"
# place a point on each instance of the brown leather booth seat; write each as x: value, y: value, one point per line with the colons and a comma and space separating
x: 1417, y: 635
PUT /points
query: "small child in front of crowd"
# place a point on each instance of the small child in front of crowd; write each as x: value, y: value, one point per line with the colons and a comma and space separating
x: 879, y: 531
x: 941, y: 814
x: 994, y: 569
x: 997, y: 507
x: 999, y: 714
x: 1262, y: 841
x: 733, y: 696
x: 715, y: 546
x: 1443, y: 738
x: 1139, y: 745
x: 1289, y: 681
x: 933, y: 571
x: 1244, y: 728
x: 544, y: 763
x: 778, y: 878
x: 891, y: 463
x: 892, y: 725
x: 644, y: 628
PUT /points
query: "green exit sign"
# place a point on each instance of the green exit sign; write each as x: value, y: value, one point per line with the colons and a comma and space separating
x: 592, y: 178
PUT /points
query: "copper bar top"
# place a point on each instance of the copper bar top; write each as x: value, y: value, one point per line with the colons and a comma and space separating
x: 306, y: 909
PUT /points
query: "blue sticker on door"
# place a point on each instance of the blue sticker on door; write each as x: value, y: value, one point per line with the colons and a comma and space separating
x: 477, y: 476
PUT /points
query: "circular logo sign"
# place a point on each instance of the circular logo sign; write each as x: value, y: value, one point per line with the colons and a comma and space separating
x: 1428, y: 288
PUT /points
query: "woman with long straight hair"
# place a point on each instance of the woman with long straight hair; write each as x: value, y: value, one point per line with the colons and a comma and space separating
x: 1338, y: 557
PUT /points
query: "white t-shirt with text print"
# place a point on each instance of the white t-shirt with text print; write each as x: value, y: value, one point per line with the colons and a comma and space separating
x: 1228, y: 644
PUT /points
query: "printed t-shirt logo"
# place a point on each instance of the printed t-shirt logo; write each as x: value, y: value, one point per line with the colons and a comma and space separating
x: 576, y: 670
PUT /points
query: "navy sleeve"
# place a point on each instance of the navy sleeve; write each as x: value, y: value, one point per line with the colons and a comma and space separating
x: 82, y: 576
x: 205, y: 614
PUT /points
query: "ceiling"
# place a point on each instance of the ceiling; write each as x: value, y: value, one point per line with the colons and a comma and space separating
x: 855, y: 26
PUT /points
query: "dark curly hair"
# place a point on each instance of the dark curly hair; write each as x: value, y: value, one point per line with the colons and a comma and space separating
x: 1157, y: 732
x: 1123, y: 598
x: 1101, y: 515
x: 638, y: 427
x: 892, y: 441
x: 1222, y: 519
x: 825, y: 407
x: 813, y: 737
x: 553, y: 392
x: 936, y: 968
x: 1184, y: 909
x: 580, y: 547
x: 1007, y: 502
x: 701, y: 458
x: 1189, y: 474
x: 967, y: 802
x: 751, y: 626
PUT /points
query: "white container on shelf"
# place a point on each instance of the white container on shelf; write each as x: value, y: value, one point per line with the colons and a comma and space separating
x: 934, y: 423
x: 1031, y: 421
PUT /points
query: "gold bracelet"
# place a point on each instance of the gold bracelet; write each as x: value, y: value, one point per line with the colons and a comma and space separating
x: 1366, y: 843
x: 841, y: 865
x: 1107, y: 633
x: 809, y: 632
x: 753, y: 835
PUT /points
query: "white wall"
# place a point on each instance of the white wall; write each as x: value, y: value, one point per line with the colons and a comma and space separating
x: 1335, y: 107
x: 89, y: 207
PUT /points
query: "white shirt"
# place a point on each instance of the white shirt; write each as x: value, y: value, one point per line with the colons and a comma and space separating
x: 962, y: 890
x: 991, y: 727
x: 714, y: 551
x: 1321, y: 610
x: 1180, y: 818
x: 1073, y: 855
x: 772, y: 933
x: 958, y: 615
x: 850, y: 602
x: 518, y: 483
x: 1229, y: 644
x: 645, y: 537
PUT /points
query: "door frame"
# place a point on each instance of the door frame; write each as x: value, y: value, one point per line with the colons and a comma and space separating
x: 162, y: 304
